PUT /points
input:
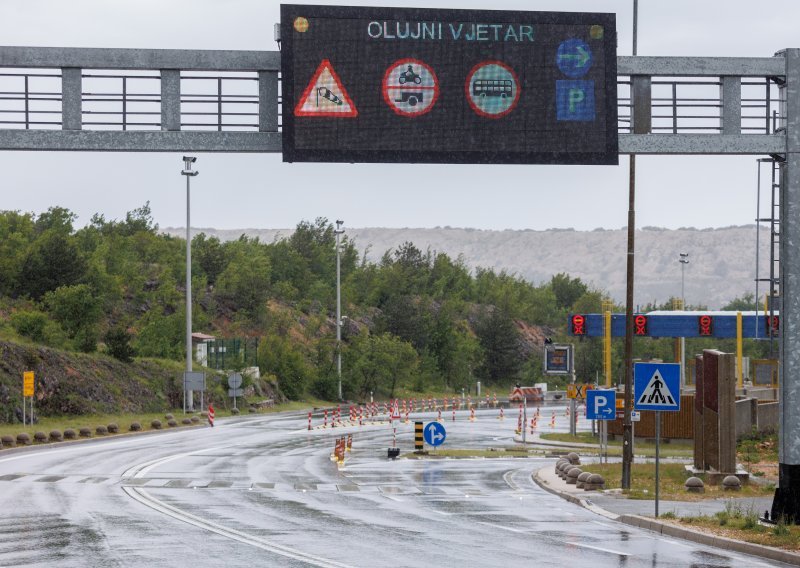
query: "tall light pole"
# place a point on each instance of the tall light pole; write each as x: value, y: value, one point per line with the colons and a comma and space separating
x: 338, y: 232
x: 684, y: 260
x: 187, y: 171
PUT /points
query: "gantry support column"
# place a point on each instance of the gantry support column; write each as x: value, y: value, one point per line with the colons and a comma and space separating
x: 787, y: 497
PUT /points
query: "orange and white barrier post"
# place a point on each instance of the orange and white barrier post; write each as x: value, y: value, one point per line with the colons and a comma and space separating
x: 494, y: 399
x: 439, y: 419
x: 309, y: 421
x: 472, y: 415
x: 520, y: 425
x: 325, y: 423
x: 501, y: 417
x: 349, y: 442
x: 553, y: 420
x: 533, y: 424
x: 454, y: 413
x: 211, y: 415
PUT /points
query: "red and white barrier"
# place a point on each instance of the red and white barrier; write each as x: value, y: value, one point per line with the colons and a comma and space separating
x: 501, y: 417
x: 325, y: 423
x: 553, y: 420
x: 309, y: 421
x: 472, y: 415
x: 211, y: 415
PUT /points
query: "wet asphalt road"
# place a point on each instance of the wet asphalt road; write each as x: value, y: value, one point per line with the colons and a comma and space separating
x: 262, y: 491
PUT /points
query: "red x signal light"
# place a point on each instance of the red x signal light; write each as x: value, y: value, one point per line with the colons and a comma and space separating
x: 578, y: 324
x: 705, y: 326
x: 640, y: 325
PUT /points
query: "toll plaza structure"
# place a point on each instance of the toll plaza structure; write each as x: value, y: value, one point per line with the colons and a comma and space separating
x: 662, y: 108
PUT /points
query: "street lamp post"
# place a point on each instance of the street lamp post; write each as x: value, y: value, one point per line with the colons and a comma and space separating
x: 338, y: 232
x: 189, y: 173
x: 684, y: 260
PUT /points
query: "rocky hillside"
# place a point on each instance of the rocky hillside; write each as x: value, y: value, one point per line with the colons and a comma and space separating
x: 722, y: 261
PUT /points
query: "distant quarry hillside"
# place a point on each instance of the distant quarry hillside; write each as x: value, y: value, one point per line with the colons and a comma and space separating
x: 722, y: 261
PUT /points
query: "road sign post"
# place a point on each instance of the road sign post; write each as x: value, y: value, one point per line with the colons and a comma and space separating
x: 434, y: 434
x: 234, y: 382
x: 27, y: 391
x: 601, y: 405
x: 657, y: 386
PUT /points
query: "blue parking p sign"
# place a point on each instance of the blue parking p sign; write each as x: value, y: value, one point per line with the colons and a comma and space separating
x: 601, y: 404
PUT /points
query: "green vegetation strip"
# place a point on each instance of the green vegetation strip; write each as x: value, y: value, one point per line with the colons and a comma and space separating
x: 511, y: 452
x: 673, y: 476
x: 675, y: 448
x: 741, y: 523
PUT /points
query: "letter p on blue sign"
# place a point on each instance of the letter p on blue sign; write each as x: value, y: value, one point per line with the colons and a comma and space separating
x: 575, y: 100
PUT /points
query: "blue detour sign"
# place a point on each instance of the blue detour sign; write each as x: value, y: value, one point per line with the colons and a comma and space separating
x: 657, y: 386
x: 434, y: 434
x: 601, y: 404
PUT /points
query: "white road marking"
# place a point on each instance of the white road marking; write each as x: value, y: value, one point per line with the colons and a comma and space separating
x: 608, y: 550
x: 148, y: 500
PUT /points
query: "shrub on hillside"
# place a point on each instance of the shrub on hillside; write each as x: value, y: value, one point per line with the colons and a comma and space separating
x: 113, y: 428
x: 101, y: 430
x: 135, y: 427
x: 40, y: 437
x: 24, y: 438
x: 172, y: 422
x: 56, y: 436
x: 118, y: 344
x: 8, y: 441
x: 85, y: 432
x: 70, y: 434
x: 156, y: 424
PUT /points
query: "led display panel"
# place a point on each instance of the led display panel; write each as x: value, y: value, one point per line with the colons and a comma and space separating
x: 447, y: 86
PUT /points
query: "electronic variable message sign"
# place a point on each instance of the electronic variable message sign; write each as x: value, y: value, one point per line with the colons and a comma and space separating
x: 448, y: 86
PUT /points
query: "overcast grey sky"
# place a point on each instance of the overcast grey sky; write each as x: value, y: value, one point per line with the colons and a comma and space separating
x: 240, y: 191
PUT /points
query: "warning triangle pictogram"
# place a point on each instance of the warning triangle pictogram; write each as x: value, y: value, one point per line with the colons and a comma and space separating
x: 325, y: 95
x: 657, y: 393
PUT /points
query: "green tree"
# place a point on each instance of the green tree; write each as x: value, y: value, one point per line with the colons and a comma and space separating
x: 77, y: 310
x: 118, y: 344
x: 244, y: 284
x: 499, y: 339
x: 53, y: 261
x: 379, y: 364
x: 567, y: 290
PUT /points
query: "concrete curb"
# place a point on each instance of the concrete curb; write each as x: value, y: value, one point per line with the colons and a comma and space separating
x: 667, y: 529
x: 711, y: 539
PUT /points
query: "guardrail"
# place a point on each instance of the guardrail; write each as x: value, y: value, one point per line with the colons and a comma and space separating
x: 167, y: 100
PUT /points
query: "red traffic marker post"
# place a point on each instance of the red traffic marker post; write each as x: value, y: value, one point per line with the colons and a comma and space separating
x: 211, y: 415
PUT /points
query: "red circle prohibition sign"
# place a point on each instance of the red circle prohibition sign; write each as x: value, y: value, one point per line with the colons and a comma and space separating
x: 472, y: 102
x: 409, y: 81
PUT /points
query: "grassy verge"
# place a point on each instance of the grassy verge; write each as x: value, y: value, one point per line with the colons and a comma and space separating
x: 672, y: 479
x: 92, y: 421
x: 675, y: 448
x: 742, y: 524
x: 510, y: 452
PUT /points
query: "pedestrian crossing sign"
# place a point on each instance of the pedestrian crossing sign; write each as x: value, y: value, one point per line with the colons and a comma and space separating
x: 657, y: 386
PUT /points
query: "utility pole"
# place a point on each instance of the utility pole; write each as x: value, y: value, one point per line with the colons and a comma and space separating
x: 187, y: 171
x: 627, y: 424
x: 338, y: 232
